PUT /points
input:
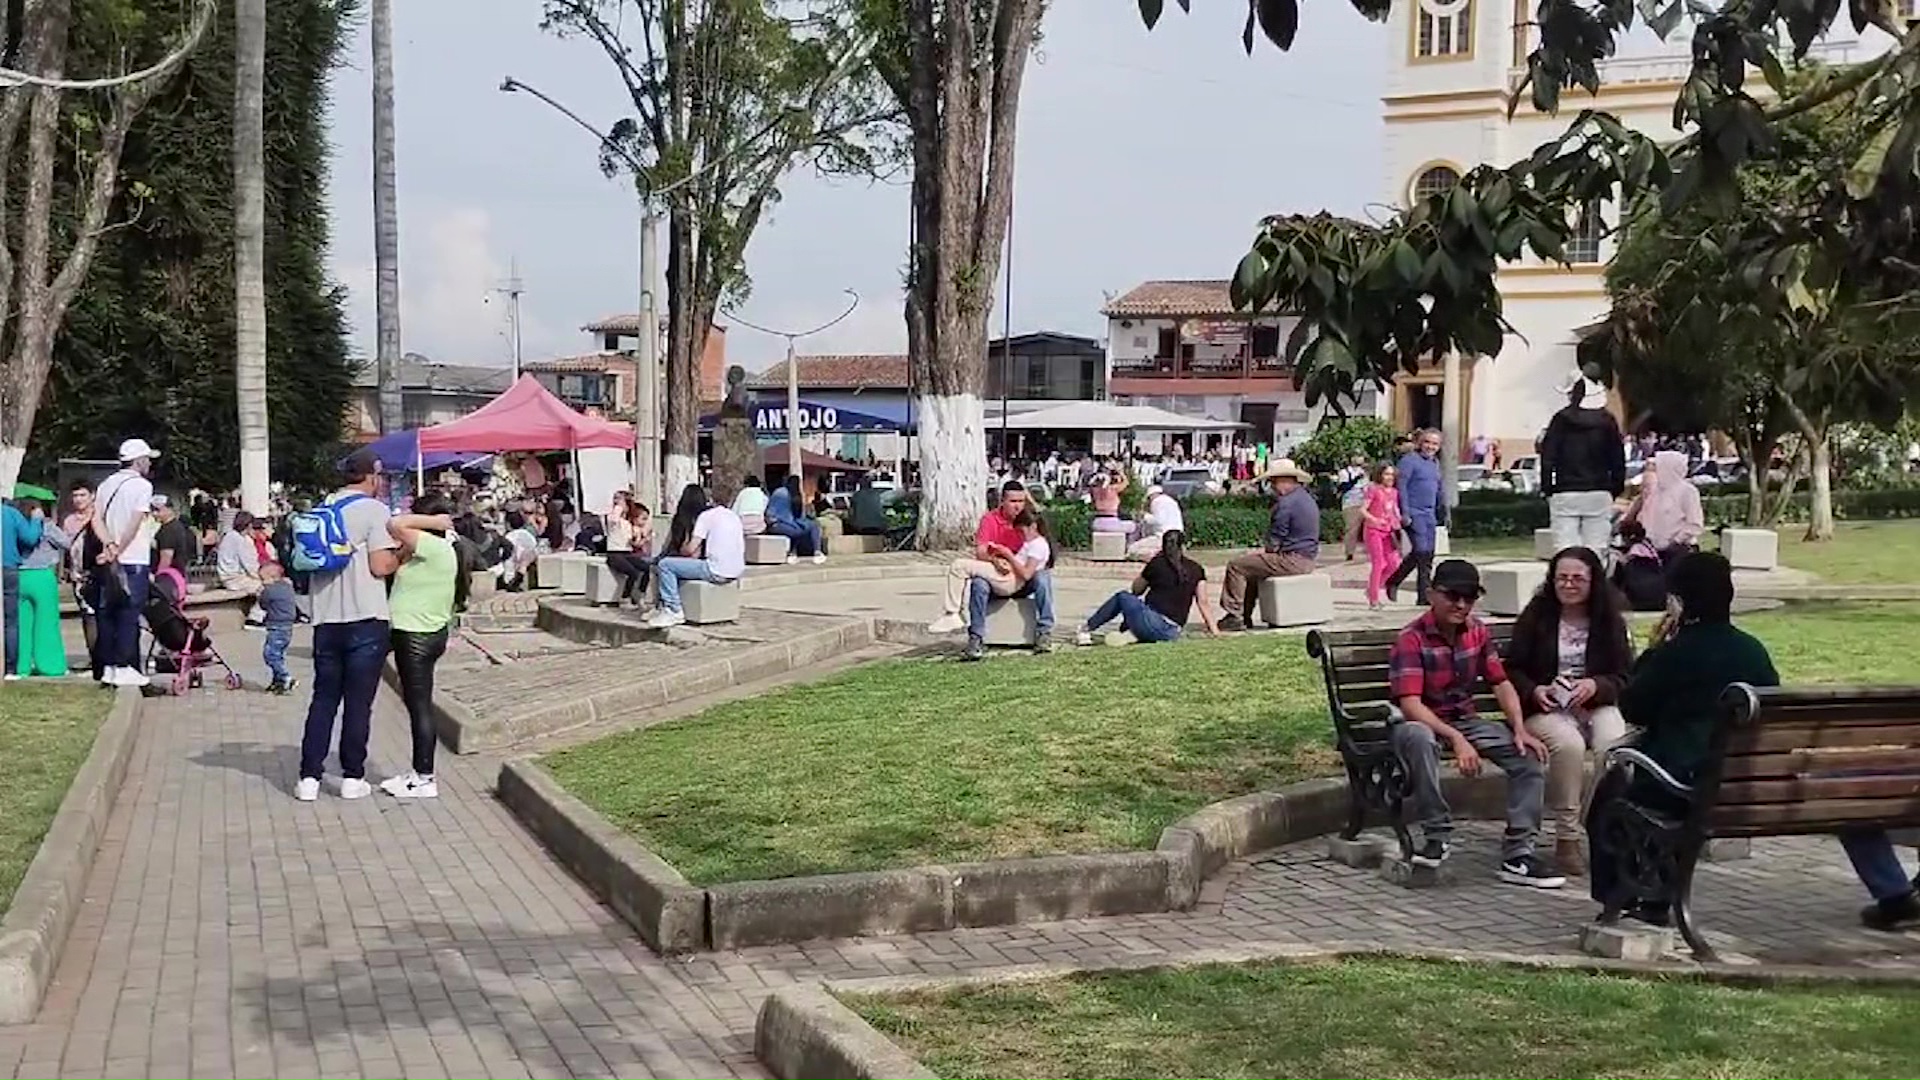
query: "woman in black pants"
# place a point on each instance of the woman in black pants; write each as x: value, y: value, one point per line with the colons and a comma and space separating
x: 430, y: 584
x: 630, y: 545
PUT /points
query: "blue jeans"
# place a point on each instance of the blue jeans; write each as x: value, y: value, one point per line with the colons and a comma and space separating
x: 1144, y: 623
x: 1874, y: 861
x: 1040, y: 587
x: 674, y: 569
x: 120, y: 617
x: 347, y: 658
x: 805, y: 534
x: 274, y: 652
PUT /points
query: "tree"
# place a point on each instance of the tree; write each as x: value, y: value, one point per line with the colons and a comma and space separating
x: 1376, y: 300
x: 249, y: 248
x: 386, y: 224
x: 955, y: 67
x: 65, y: 126
x: 728, y: 96
x: 149, y: 346
x: 1765, y: 316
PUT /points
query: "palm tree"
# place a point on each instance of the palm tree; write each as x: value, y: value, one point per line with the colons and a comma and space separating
x: 386, y: 221
x: 249, y: 244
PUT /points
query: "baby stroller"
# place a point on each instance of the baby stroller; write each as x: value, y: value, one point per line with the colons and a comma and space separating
x: 181, y: 645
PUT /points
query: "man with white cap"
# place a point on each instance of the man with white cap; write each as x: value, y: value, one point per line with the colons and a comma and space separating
x: 1583, y: 466
x: 123, y: 554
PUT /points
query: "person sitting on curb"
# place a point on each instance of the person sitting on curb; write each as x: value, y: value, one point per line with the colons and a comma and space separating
x: 994, y: 543
x: 1031, y: 565
x: 1431, y: 673
x: 1292, y: 546
x: 1155, y: 607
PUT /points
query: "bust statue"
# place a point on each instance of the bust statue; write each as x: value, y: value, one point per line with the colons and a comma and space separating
x: 735, y: 403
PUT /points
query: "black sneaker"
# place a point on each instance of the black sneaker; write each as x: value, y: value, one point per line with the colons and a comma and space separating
x: 1532, y: 871
x: 1230, y: 624
x: 1902, y: 913
x: 1431, y: 853
x: 975, y: 650
x: 1650, y: 913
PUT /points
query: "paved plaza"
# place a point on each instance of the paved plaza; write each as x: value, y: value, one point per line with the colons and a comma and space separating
x: 228, y: 930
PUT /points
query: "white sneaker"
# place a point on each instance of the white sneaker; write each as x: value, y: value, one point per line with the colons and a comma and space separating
x: 11, y: 677
x: 394, y: 785
x: 1120, y: 637
x: 819, y: 557
x: 126, y: 676
x: 791, y: 559
x: 355, y: 789
x: 307, y: 790
x: 945, y: 624
x: 663, y: 618
x: 1083, y: 638
x: 416, y: 787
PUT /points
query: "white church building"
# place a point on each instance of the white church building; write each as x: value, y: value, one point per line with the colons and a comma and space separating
x: 1450, y: 66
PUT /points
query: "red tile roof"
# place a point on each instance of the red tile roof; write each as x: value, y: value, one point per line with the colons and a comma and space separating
x: 624, y: 324
x: 840, y: 372
x: 593, y: 362
x: 1165, y: 298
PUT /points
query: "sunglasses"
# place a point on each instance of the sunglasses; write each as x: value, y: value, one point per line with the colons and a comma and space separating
x: 1457, y: 597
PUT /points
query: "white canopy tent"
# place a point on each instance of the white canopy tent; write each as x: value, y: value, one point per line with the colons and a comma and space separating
x: 1106, y: 416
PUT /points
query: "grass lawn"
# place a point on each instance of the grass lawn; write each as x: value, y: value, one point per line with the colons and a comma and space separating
x: 1860, y: 553
x: 918, y: 761
x: 46, y: 730
x: 1404, y: 1018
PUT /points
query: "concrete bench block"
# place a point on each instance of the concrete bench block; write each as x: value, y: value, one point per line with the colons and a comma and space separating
x: 1442, y: 542
x: 573, y: 572
x: 849, y: 544
x: 704, y: 602
x: 546, y: 571
x: 767, y: 549
x: 1510, y: 585
x: 1751, y: 549
x: 1012, y: 621
x: 1544, y: 545
x: 1109, y: 547
x: 1626, y: 941
x: 603, y: 585
x: 1362, y: 853
x: 1302, y: 600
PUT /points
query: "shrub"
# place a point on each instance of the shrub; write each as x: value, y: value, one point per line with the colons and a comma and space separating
x: 1337, y: 441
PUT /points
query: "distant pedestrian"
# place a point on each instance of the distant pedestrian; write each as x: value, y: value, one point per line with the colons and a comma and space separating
x: 1423, y: 507
x: 279, y: 610
x: 121, y: 557
x: 1583, y: 468
x: 22, y: 527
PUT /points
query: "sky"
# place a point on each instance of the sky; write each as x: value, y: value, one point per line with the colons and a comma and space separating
x: 1141, y: 155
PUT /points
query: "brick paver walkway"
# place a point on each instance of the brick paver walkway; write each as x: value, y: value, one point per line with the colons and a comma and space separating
x: 230, y: 931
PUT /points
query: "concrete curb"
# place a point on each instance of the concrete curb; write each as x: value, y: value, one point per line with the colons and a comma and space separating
x: 804, y: 1032
x: 675, y: 916
x: 465, y: 733
x: 652, y: 896
x: 35, y: 928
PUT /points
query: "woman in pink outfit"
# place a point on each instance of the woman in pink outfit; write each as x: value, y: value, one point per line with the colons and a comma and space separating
x: 1381, y: 515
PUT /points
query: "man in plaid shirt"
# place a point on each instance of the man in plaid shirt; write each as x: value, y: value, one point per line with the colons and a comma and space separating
x: 1432, y: 671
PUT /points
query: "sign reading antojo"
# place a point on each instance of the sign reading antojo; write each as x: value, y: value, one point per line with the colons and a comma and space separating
x: 812, y: 418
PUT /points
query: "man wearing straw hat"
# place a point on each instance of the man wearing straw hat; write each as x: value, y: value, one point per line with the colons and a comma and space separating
x: 1292, y: 546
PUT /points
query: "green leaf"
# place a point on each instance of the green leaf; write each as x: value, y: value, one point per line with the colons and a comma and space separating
x: 1864, y: 175
x: 1150, y: 11
x: 1406, y: 262
x: 1249, y: 281
x: 1279, y: 20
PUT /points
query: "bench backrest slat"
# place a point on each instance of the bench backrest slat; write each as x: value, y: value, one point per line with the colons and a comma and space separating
x: 1353, y: 664
x: 1827, y: 761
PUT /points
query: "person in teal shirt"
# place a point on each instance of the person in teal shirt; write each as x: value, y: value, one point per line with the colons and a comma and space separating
x: 19, y: 535
x: 430, y: 583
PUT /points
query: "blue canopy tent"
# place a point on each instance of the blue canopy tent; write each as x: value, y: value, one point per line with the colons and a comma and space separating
x: 770, y: 420
x: 400, y: 450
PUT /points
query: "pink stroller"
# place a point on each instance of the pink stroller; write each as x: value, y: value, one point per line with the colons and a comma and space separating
x: 181, y: 644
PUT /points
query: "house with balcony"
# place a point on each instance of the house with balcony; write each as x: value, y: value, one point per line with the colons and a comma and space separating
x: 1181, y: 346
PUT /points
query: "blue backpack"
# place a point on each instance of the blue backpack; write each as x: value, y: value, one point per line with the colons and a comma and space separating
x: 320, y: 541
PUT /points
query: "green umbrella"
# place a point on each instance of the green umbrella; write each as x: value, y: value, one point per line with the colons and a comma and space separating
x: 32, y: 491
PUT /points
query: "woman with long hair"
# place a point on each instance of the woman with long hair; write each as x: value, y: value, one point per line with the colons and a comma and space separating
x: 1568, y: 661
x: 429, y: 586
x: 693, y: 502
x: 1380, y: 526
x: 630, y: 527
x: 1156, y: 606
x: 787, y: 516
x: 706, y: 544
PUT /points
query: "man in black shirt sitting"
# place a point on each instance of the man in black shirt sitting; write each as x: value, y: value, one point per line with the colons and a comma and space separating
x: 1156, y: 606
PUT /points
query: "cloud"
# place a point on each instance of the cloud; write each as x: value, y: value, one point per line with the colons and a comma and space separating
x: 449, y: 309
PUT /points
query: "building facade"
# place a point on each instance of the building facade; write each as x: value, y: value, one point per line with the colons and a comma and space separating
x: 1181, y: 346
x: 614, y: 336
x: 1046, y: 367
x: 1450, y: 66
x: 430, y: 394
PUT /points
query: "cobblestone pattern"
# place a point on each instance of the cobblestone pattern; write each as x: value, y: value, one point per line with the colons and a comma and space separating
x: 230, y: 931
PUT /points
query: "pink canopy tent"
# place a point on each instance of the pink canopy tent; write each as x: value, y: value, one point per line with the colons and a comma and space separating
x: 526, y: 417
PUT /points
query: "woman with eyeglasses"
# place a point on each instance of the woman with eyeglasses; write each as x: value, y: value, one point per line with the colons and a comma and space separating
x: 1569, y: 658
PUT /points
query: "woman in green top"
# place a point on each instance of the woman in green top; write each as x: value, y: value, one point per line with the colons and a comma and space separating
x: 426, y: 589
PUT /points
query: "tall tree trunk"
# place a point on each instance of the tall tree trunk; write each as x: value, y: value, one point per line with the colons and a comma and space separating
x: 683, y: 363
x: 963, y: 107
x: 1815, y: 431
x: 249, y: 247
x: 386, y: 223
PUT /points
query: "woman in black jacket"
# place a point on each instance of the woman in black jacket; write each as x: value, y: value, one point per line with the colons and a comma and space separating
x: 1568, y: 661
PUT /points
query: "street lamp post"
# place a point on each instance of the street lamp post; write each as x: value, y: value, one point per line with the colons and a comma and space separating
x: 793, y: 374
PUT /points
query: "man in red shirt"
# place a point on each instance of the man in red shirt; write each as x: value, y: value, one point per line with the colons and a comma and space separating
x: 1432, y: 673
x: 994, y: 544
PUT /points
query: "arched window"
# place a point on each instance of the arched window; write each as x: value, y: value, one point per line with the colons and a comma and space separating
x: 1584, y: 246
x: 1442, y: 28
x: 1434, y: 180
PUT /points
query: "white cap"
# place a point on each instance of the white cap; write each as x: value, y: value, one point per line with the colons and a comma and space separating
x: 158, y: 501
x: 133, y: 449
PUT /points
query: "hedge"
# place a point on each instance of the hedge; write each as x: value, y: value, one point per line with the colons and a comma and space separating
x: 1241, y: 520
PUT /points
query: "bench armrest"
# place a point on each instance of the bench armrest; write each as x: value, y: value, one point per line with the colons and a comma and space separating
x: 1627, y: 755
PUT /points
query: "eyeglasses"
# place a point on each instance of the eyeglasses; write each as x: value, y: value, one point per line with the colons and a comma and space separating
x: 1571, y: 579
x: 1459, y: 597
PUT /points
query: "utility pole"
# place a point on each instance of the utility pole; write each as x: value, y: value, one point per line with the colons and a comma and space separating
x: 646, y: 370
x: 793, y: 374
x: 512, y: 289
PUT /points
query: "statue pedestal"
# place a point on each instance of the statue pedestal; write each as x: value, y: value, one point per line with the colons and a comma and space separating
x: 735, y: 454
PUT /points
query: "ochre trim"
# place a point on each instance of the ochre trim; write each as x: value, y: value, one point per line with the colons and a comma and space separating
x: 1556, y: 294
x: 1406, y: 190
x: 1468, y: 13
x: 1552, y: 271
x: 1662, y: 86
x: 1496, y: 112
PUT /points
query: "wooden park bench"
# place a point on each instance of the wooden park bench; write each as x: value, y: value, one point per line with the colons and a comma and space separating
x: 1354, y: 665
x: 1788, y: 761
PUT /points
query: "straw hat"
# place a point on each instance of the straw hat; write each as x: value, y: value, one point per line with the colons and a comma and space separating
x: 1284, y: 467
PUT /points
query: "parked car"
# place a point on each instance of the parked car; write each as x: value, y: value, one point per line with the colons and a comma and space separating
x: 1477, y: 478
x: 1185, y: 482
x: 1524, y: 474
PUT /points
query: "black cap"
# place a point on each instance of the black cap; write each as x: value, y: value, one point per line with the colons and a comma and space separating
x: 1458, y: 576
